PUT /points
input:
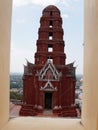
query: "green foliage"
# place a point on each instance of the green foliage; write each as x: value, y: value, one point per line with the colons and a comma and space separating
x: 16, y: 95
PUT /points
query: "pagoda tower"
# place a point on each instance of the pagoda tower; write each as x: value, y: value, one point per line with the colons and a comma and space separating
x: 49, y: 84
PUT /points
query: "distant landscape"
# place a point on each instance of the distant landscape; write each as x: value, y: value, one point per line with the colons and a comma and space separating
x: 16, y: 87
x: 16, y: 80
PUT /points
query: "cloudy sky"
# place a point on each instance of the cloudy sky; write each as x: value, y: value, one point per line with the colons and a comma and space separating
x: 25, y: 23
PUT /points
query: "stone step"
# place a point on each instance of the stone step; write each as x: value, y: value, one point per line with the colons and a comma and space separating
x: 47, y: 113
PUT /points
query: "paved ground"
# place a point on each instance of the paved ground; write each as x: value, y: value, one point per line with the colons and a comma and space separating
x: 14, y: 110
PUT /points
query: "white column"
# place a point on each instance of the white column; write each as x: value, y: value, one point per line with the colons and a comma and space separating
x: 5, y: 28
x: 90, y: 93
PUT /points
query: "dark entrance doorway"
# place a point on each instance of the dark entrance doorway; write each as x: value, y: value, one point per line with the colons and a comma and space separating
x: 48, y: 100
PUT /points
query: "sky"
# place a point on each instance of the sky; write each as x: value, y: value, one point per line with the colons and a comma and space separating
x: 24, y: 32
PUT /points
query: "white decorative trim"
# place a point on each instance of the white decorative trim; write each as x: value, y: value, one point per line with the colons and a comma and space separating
x: 40, y: 107
x: 48, y: 87
x: 49, y: 65
x: 35, y: 106
x: 56, y: 108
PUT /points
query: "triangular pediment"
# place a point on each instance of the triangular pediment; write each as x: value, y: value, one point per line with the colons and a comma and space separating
x: 49, y: 72
x: 48, y: 87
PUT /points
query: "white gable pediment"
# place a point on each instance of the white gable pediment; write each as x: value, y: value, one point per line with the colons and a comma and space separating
x: 49, y: 72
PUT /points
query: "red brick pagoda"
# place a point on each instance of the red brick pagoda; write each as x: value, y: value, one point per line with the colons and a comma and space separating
x: 49, y: 84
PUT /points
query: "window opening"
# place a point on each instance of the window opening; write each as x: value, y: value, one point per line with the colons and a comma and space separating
x: 50, y: 35
x: 50, y: 48
x: 51, y: 24
x: 51, y: 13
x: 50, y: 59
